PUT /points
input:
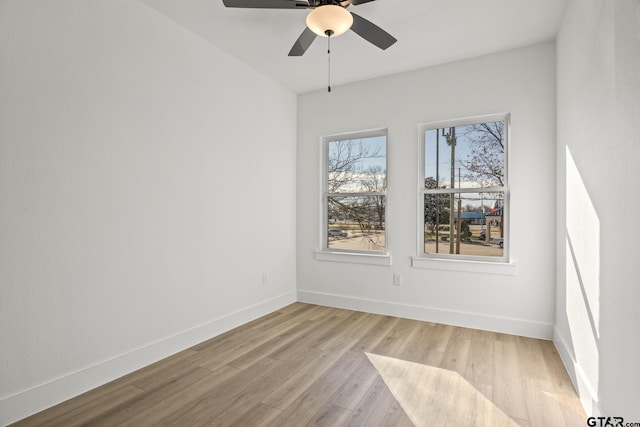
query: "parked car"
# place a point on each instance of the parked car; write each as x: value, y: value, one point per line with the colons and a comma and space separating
x: 337, y: 233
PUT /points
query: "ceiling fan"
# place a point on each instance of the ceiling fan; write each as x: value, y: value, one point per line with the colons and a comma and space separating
x: 328, y: 18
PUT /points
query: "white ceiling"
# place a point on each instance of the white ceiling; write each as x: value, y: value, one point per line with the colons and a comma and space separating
x: 429, y: 32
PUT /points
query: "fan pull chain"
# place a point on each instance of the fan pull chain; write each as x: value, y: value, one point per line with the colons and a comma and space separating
x: 328, y: 33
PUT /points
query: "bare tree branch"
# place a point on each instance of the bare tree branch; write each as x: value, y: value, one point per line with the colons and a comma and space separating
x: 485, y: 162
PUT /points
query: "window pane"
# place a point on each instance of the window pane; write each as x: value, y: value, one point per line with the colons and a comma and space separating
x: 356, y: 222
x: 357, y: 166
x: 481, y: 227
x: 469, y: 156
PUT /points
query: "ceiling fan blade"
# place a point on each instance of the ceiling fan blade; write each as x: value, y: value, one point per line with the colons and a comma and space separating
x: 347, y: 3
x: 268, y: 4
x: 371, y: 32
x: 302, y: 44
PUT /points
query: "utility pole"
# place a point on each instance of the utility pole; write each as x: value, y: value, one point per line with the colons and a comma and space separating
x: 437, y: 198
x: 459, y: 227
x: 451, y: 141
x: 459, y: 222
x: 484, y: 218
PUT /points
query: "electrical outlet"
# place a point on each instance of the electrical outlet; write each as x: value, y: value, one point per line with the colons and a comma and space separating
x: 265, y: 279
x: 397, y: 279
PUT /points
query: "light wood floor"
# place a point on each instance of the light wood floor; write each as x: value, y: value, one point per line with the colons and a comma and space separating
x: 312, y: 365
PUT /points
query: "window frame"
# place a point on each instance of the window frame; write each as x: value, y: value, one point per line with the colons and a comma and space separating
x: 446, y: 261
x: 379, y: 257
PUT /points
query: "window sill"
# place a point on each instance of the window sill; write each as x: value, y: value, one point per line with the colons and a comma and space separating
x: 353, y: 257
x: 505, y: 268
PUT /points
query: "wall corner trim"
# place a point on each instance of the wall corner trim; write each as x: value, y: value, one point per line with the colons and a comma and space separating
x: 583, y: 387
x: 512, y: 326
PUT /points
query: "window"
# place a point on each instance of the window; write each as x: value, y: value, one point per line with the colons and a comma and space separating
x: 355, y: 193
x: 463, y: 189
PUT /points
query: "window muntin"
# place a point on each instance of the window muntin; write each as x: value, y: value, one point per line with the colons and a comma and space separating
x: 463, y: 189
x: 355, y: 192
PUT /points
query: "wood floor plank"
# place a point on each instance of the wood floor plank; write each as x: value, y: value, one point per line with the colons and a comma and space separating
x: 329, y: 416
x: 282, y: 343
x: 212, y: 358
x: 531, y: 359
x: 247, y: 338
x: 508, y: 386
x: 312, y: 365
x: 393, y: 342
x: 557, y: 373
x: 440, y: 336
x: 374, y: 407
x: 440, y: 397
x: 209, y: 407
x: 480, y: 363
x: 356, y: 385
x: 143, y: 379
x: 308, y: 339
x: 415, y: 347
x: 157, y: 372
x: 256, y: 328
x: 294, y: 313
x: 229, y: 342
x: 299, y: 381
x: 396, y: 417
x: 80, y: 410
x: 259, y: 390
x: 362, y: 323
x: 381, y: 326
x: 258, y: 416
x: 309, y: 405
x: 353, y: 322
x: 175, y: 402
x: 542, y: 410
x: 162, y: 374
x: 161, y: 399
x: 467, y: 403
x: 456, y: 356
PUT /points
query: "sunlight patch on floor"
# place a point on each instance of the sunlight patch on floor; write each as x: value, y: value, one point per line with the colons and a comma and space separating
x: 433, y: 396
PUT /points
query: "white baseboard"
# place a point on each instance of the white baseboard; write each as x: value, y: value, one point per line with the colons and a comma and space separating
x: 525, y: 328
x: 28, y: 402
x: 582, y: 385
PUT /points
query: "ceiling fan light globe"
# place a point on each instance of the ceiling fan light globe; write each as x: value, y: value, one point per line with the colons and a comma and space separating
x: 329, y: 18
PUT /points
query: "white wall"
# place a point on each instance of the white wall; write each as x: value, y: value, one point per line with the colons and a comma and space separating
x: 598, y: 147
x: 520, y: 82
x: 138, y: 171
